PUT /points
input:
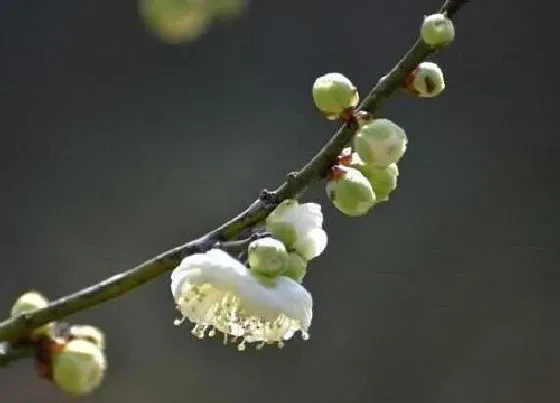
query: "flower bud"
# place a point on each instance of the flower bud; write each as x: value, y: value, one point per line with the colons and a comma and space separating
x: 299, y: 227
x: 383, y: 180
x: 427, y: 80
x: 296, y: 267
x: 350, y: 191
x: 28, y: 302
x: 88, y: 333
x: 333, y: 94
x: 174, y: 21
x: 285, y: 231
x: 267, y: 256
x: 437, y: 30
x: 281, y: 224
x: 79, y: 367
x: 380, y: 143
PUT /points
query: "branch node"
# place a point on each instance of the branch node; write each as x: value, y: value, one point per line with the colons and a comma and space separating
x: 268, y: 197
x: 291, y: 178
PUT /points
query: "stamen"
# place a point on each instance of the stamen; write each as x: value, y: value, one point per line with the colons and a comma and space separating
x: 198, y: 331
x: 213, y: 310
x: 241, y: 346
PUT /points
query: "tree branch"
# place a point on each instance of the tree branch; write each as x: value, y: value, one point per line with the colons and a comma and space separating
x: 296, y: 183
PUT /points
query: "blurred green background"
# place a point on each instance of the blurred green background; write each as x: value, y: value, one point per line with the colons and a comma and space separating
x: 116, y: 146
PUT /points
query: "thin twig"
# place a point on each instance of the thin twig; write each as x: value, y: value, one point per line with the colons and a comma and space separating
x: 240, y: 245
x: 294, y: 186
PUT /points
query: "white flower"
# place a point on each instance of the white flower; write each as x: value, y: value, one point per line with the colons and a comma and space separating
x: 311, y: 244
x: 216, y: 292
x: 299, y: 226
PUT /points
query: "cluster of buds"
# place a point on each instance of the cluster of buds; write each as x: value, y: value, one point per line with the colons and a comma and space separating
x: 70, y: 356
x: 180, y: 21
x: 261, y: 299
x: 426, y: 80
x: 366, y: 172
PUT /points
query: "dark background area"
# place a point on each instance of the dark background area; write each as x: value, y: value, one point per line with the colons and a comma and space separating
x: 116, y: 147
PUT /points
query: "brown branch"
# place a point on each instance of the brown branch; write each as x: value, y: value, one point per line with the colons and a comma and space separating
x: 296, y: 183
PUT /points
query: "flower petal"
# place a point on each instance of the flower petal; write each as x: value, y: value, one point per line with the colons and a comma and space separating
x: 214, y: 266
x: 214, y: 290
x: 312, y: 244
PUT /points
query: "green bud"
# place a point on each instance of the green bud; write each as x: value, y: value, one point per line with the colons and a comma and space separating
x: 350, y: 191
x: 333, y: 93
x: 383, y: 180
x: 79, y: 368
x: 175, y: 21
x: 284, y: 231
x: 380, y: 143
x: 437, y: 30
x: 28, y: 302
x: 427, y: 80
x: 296, y: 267
x: 88, y: 333
x: 267, y: 256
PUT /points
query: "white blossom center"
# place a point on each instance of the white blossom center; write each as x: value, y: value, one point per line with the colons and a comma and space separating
x: 218, y: 293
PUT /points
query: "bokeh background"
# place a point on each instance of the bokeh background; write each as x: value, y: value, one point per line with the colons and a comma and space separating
x: 116, y: 146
